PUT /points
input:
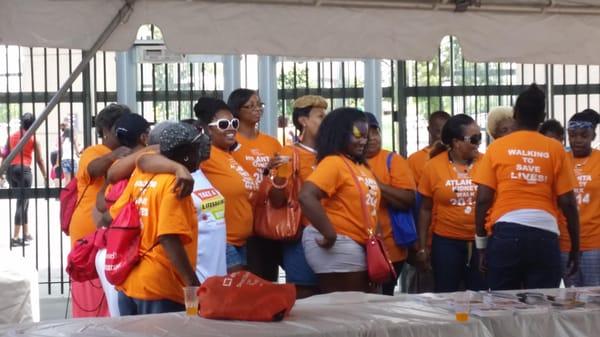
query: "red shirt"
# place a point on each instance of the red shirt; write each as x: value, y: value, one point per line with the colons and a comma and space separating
x: 26, y: 155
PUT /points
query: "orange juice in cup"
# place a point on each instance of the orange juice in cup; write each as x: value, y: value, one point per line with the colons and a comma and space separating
x: 285, y: 169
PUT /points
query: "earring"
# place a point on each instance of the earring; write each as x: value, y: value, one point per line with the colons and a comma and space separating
x: 186, y: 159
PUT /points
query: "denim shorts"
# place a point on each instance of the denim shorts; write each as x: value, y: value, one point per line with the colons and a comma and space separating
x: 67, y: 167
x: 236, y: 256
x: 297, y: 270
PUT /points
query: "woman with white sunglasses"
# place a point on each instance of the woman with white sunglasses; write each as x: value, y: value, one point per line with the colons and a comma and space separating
x: 228, y: 177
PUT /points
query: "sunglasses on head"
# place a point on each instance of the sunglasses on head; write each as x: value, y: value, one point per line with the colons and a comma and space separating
x: 473, y: 139
x: 224, y: 124
x: 358, y: 133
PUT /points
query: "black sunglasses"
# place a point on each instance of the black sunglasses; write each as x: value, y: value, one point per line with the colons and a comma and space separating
x: 473, y: 139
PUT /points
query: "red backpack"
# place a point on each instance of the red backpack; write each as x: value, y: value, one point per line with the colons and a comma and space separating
x: 81, y: 262
x: 123, y: 238
x: 115, y: 192
x: 68, y: 204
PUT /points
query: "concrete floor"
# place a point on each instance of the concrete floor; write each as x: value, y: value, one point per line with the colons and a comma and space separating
x: 53, y: 307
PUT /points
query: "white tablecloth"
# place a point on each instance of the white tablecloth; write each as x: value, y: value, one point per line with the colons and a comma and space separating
x: 19, y: 292
x: 339, y: 314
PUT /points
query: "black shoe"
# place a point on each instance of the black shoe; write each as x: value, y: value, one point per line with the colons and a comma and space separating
x: 17, y: 242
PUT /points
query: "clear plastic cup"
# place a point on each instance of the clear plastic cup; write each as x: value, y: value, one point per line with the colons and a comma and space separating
x: 191, y: 300
x: 462, y: 306
x: 284, y: 170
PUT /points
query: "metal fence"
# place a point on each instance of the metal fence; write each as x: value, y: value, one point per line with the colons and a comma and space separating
x: 411, y: 90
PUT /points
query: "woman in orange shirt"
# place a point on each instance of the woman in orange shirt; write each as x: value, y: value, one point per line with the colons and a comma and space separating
x: 448, y: 206
x: 257, y: 153
x: 88, y: 297
x: 169, y: 237
x: 307, y: 116
x: 397, y: 187
x: 228, y: 177
x: 586, y: 165
x: 521, y: 178
x: 341, y: 213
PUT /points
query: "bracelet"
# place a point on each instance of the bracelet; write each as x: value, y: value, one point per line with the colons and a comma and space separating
x: 279, y: 187
x: 481, y: 242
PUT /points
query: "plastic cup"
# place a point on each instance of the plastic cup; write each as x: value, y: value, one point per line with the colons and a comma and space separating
x: 461, y: 306
x: 284, y: 170
x: 191, y: 300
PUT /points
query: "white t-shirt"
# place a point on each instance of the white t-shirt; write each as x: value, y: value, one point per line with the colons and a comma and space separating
x: 67, y: 150
x: 212, y: 234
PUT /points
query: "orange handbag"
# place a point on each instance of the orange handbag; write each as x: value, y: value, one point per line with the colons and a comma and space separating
x: 379, y: 266
x: 281, y: 223
x: 246, y: 297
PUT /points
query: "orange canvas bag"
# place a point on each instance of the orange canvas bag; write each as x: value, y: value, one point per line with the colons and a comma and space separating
x: 246, y: 297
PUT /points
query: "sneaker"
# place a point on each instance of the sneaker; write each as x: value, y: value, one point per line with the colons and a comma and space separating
x: 17, y: 242
x: 28, y: 237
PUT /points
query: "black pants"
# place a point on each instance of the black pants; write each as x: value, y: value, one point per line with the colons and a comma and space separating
x: 264, y: 257
x: 19, y: 176
x: 388, y: 288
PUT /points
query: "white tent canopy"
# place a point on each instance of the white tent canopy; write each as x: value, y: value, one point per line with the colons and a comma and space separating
x: 539, y: 31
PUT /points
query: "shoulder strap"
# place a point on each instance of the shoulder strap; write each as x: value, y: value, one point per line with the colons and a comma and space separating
x: 295, y: 170
x: 363, y: 204
x: 82, y: 194
x: 389, y: 161
x: 145, y: 186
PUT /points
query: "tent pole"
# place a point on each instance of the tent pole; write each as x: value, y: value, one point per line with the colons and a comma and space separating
x: 122, y: 15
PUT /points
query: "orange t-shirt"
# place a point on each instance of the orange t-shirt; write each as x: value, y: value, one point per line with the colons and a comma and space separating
x: 82, y: 223
x: 343, y: 202
x: 453, y: 195
x: 528, y: 171
x: 307, y: 158
x: 255, y: 154
x: 26, y: 155
x: 587, y: 172
x: 398, y: 176
x: 238, y: 187
x: 161, y: 213
x: 417, y: 161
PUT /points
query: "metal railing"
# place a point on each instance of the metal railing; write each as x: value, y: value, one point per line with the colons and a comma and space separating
x: 411, y: 90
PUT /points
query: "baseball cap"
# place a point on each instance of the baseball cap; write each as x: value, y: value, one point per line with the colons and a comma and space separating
x: 178, y: 134
x: 154, y: 135
x: 372, y: 120
x: 129, y: 128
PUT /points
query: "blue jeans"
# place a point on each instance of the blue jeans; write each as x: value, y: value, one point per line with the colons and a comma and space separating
x: 588, y: 274
x: 522, y: 257
x: 455, y: 263
x: 130, y: 306
x: 297, y: 270
x: 235, y: 256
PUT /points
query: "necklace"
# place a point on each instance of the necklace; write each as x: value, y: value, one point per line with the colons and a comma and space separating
x: 462, y: 200
x: 581, y: 165
x: 460, y: 174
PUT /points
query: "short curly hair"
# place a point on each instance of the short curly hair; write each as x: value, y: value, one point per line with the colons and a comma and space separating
x: 496, y: 116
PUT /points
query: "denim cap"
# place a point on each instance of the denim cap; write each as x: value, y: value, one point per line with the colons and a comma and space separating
x: 178, y: 134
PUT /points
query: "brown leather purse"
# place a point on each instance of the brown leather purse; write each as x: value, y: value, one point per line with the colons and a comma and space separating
x: 281, y: 223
